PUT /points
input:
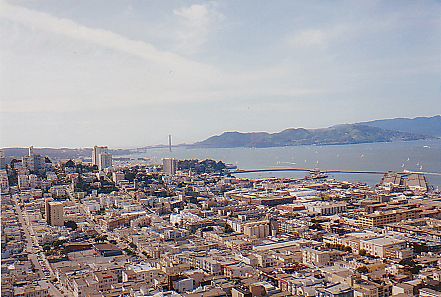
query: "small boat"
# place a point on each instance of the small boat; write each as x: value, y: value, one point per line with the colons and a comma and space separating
x: 318, y: 175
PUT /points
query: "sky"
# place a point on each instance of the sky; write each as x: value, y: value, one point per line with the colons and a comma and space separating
x: 128, y: 73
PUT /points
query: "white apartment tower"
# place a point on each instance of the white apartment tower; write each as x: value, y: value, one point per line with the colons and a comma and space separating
x: 97, y: 150
x: 2, y: 159
x: 170, y: 166
x: 104, y: 161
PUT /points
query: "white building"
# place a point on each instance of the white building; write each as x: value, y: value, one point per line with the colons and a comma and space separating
x: 315, y: 257
x: 386, y: 247
x: 2, y: 160
x: 104, y: 161
x: 97, y: 150
x: 260, y: 229
x: 170, y: 166
x: 326, y: 208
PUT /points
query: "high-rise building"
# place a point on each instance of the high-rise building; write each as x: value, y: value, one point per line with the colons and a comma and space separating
x: 104, y: 161
x: 2, y: 160
x: 33, y: 162
x: 97, y: 150
x: 54, y: 213
x: 170, y: 166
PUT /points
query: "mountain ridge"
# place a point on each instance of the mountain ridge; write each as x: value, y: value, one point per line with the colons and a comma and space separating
x: 364, y: 132
x: 430, y: 126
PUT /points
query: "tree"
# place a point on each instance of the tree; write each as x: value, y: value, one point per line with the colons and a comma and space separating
x: 129, y: 252
x: 317, y: 227
x: 362, y: 269
x: 228, y: 229
x: 415, y: 269
x: 58, y: 242
x: 71, y: 224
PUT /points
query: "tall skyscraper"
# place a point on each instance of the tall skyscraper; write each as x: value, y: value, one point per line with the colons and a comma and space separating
x: 2, y: 159
x: 97, y: 150
x: 170, y: 166
x: 104, y: 161
x: 54, y: 213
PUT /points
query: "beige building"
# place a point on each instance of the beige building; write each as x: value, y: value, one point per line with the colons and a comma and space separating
x: 315, y: 257
x: 259, y: 229
x: 351, y: 240
x: 385, y: 247
x: 54, y: 213
x: 378, y: 219
x: 367, y: 288
x: 326, y: 208
x: 143, y: 273
x: 31, y: 291
x: 99, y: 282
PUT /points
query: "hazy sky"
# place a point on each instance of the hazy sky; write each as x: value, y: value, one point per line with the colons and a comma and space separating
x: 128, y: 73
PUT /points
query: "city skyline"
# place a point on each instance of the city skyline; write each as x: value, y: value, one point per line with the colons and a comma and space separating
x: 128, y: 74
x: 214, y: 148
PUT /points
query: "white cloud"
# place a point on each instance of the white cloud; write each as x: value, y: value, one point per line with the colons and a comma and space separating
x: 196, y: 22
x: 260, y: 75
x: 161, y: 77
x: 319, y: 38
x: 139, y: 72
x: 46, y: 22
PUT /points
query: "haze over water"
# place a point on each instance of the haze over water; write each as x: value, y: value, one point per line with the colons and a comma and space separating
x: 396, y: 156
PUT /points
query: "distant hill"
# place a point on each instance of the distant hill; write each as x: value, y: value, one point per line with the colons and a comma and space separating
x: 422, y: 125
x: 341, y: 134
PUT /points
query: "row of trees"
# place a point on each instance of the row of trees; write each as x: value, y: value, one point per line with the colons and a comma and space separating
x: 339, y: 247
x: 205, y: 166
